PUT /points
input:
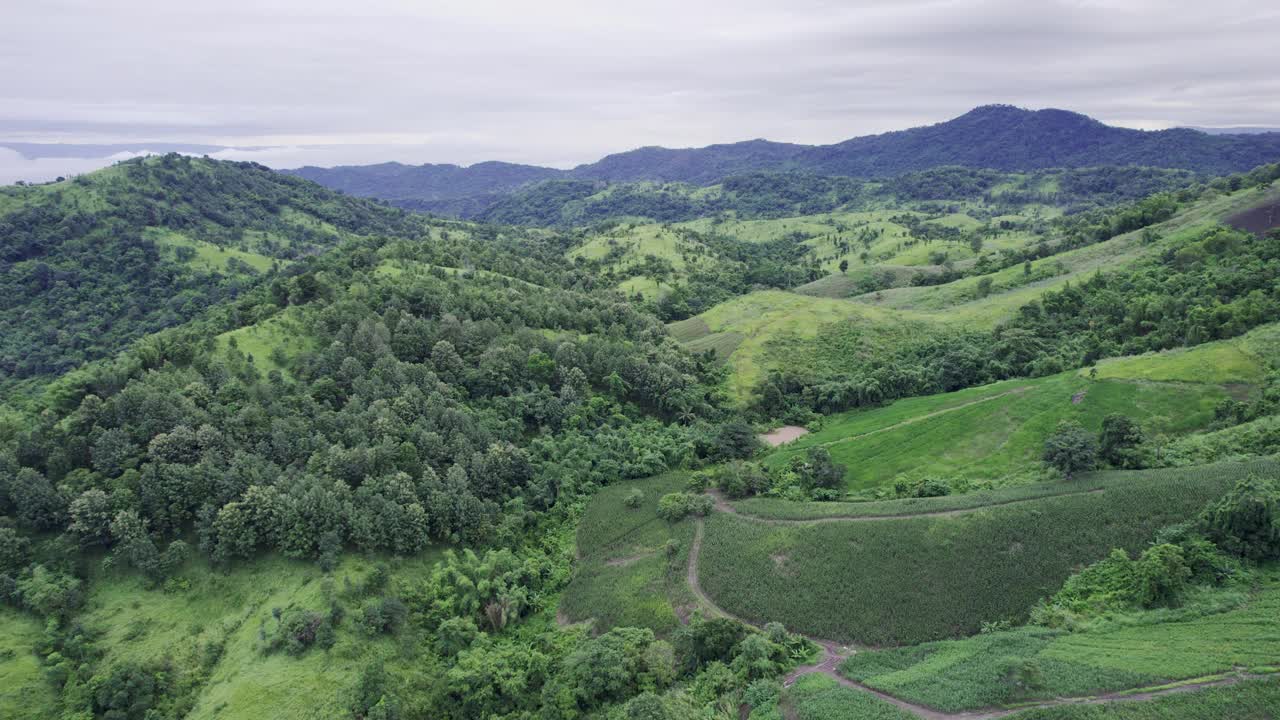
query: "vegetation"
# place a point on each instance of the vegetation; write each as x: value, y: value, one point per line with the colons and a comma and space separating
x: 862, y: 580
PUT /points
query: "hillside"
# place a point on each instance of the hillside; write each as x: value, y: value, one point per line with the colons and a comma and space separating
x: 996, y: 137
x: 803, y: 342
x: 89, y: 265
x: 385, y: 466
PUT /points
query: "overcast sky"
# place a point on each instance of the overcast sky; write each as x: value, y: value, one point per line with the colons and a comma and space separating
x: 560, y: 82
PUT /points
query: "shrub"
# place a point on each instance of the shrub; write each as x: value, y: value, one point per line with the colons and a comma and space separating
x: 634, y: 498
x: 674, y: 507
x: 383, y: 615
x: 1246, y: 521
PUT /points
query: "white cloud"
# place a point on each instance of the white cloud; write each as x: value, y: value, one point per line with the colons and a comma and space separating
x: 565, y: 81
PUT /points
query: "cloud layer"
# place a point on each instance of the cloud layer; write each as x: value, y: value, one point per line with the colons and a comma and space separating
x: 559, y: 82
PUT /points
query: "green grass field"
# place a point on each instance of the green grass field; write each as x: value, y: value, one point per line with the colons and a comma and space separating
x: 912, y: 580
x: 1145, y: 649
x: 283, y: 332
x: 623, y: 577
x: 227, y: 608
x: 764, y: 324
x: 994, y: 432
x: 210, y: 257
x: 24, y: 691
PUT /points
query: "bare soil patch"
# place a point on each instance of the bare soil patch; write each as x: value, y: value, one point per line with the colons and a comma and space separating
x: 1258, y: 219
x: 783, y: 435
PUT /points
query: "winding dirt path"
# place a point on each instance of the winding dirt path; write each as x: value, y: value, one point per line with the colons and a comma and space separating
x: 833, y: 654
x: 723, y: 505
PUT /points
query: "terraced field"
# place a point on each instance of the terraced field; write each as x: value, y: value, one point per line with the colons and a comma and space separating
x: 912, y: 580
x: 1168, y: 646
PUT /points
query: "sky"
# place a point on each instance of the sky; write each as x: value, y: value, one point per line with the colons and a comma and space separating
x: 563, y: 82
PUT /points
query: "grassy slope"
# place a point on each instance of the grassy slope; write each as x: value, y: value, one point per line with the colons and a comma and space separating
x: 794, y: 319
x: 140, y: 625
x: 959, y: 302
x: 283, y: 331
x: 763, y: 316
x: 210, y: 257
x: 996, y: 431
x: 1143, y: 650
x: 647, y: 589
x: 24, y: 692
x: 911, y: 580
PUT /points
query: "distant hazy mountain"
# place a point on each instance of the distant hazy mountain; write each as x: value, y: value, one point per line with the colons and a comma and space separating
x: 999, y: 137
x: 1239, y: 130
x: 409, y: 184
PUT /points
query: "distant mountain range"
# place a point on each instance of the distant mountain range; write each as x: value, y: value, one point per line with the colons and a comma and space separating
x: 999, y: 137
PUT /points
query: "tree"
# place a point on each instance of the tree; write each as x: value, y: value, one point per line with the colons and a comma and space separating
x: 844, y: 266
x: 1120, y: 441
x: 1071, y: 448
x: 1246, y: 521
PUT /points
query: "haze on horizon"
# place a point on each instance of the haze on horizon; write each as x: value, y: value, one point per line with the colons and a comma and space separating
x: 567, y: 81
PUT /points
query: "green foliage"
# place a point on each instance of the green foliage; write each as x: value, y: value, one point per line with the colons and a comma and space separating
x: 674, y: 507
x: 1246, y: 521
x: 634, y: 498
x: 1071, y: 449
x: 1120, y: 442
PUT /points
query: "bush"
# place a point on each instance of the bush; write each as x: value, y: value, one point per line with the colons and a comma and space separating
x: 1120, y: 443
x: 634, y: 498
x: 740, y: 479
x: 383, y: 615
x: 297, y: 629
x: 1246, y: 521
x: 674, y: 507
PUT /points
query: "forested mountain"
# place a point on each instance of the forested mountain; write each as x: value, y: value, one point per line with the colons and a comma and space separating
x: 996, y: 137
x: 90, y: 264
x: 417, y: 186
x: 333, y: 459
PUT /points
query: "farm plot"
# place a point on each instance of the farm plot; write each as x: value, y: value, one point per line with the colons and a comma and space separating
x: 918, y: 579
x: 1149, y: 649
x: 624, y: 575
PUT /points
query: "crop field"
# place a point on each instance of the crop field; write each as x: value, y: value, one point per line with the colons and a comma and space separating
x: 818, y: 697
x: 623, y: 577
x: 1257, y: 699
x: 1168, y: 645
x: 913, y: 580
x: 995, y: 432
x: 778, y: 509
